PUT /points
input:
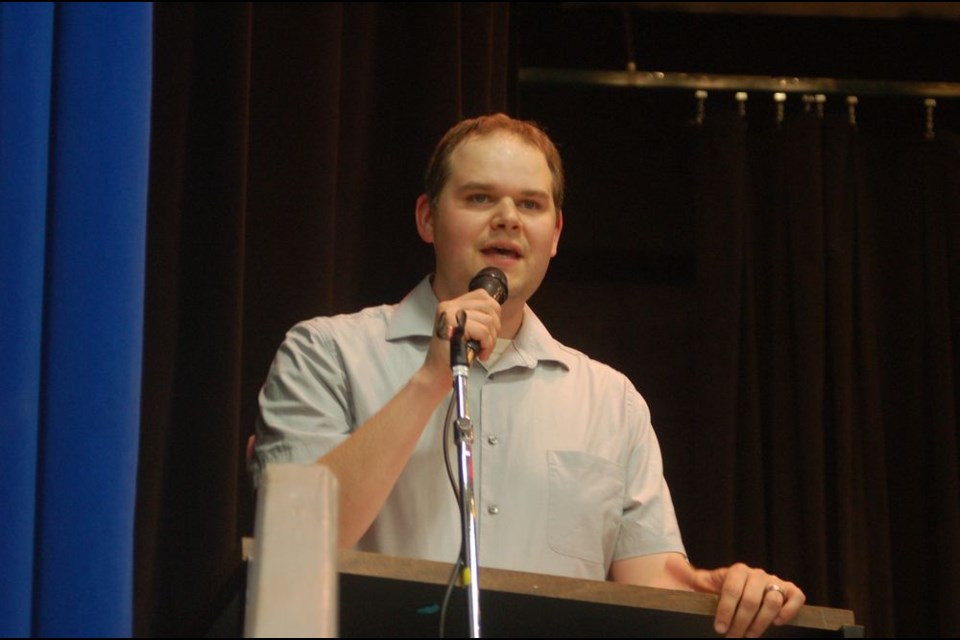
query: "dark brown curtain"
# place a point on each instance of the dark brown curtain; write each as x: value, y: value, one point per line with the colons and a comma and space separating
x: 826, y: 430
x: 288, y: 143
x: 785, y: 296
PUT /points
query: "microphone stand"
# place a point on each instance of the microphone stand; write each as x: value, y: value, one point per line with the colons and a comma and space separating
x: 460, y: 362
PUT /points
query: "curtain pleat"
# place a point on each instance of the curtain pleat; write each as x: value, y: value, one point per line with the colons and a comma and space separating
x: 26, y: 55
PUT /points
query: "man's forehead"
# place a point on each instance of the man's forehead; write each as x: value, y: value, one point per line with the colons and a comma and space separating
x: 499, y: 136
x: 495, y: 148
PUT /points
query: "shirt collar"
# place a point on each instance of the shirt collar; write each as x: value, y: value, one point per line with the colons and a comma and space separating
x: 414, y: 317
x: 534, y: 344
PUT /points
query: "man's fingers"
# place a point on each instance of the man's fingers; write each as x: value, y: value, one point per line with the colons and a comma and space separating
x: 731, y: 609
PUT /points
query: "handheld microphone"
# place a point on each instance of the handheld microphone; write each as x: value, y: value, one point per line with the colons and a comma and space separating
x: 494, y: 282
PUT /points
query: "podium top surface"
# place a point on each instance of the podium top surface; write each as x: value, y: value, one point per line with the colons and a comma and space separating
x: 518, y: 603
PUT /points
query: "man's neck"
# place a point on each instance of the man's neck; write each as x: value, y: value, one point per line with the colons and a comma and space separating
x: 511, y: 318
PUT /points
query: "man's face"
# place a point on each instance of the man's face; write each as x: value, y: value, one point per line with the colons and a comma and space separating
x: 496, y: 210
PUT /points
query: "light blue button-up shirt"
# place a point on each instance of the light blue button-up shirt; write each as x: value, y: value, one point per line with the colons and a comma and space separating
x: 568, y: 472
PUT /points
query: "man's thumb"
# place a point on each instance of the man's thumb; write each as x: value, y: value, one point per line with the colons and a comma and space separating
x: 710, y: 581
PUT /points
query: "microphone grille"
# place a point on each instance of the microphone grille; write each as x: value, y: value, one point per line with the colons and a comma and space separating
x: 493, y: 281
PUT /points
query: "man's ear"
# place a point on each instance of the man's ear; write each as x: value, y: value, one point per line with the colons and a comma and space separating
x: 425, y: 218
x: 556, y: 233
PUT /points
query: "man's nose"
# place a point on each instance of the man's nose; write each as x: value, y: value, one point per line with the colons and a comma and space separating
x: 506, y: 214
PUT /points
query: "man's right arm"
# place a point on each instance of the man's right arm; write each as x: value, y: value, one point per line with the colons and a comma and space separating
x: 305, y: 401
x: 369, y: 462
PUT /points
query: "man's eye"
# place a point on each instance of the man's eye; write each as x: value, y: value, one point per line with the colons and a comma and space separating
x: 532, y: 205
x: 478, y: 198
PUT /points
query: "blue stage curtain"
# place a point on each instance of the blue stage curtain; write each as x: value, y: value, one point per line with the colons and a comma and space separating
x: 74, y: 136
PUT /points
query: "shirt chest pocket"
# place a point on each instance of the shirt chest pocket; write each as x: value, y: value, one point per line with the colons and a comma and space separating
x: 585, y: 505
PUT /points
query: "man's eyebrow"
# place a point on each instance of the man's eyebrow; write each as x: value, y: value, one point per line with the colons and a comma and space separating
x: 535, y: 193
x: 474, y: 186
x: 483, y: 186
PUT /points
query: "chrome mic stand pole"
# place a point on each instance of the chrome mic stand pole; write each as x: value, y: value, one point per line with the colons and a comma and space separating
x: 464, y: 434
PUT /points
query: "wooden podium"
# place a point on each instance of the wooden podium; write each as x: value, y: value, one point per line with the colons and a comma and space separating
x: 300, y: 586
x: 382, y: 596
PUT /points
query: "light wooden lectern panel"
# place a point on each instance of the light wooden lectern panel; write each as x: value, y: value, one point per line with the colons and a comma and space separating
x: 291, y: 589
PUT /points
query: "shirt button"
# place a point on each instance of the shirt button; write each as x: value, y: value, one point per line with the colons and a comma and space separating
x: 492, y: 439
x: 493, y: 509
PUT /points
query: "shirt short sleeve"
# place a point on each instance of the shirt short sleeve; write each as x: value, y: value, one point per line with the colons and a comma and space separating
x: 305, y: 403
